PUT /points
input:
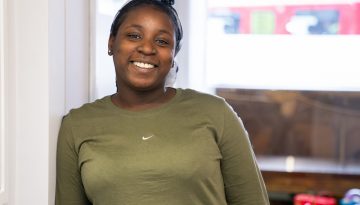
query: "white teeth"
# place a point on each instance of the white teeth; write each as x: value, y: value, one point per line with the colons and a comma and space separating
x: 144, y: 65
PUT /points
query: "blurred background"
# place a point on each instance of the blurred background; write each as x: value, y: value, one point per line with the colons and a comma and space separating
x: 289, y: 68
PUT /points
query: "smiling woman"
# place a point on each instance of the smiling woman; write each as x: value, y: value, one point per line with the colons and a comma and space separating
x: 149, y: 143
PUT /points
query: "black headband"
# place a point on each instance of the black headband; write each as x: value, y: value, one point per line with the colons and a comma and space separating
x: 168, y: 2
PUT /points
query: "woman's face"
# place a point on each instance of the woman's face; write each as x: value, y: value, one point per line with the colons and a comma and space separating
x: 143, y: 49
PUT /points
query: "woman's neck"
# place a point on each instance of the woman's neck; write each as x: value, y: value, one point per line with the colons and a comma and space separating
x: 142, y: 100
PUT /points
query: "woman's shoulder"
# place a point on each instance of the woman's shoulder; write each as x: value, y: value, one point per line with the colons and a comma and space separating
x: 203, y: 102
x: 202, y: 97
x: 98, y: 107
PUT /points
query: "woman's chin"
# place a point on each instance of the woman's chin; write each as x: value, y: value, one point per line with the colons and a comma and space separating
x: 145, y: 86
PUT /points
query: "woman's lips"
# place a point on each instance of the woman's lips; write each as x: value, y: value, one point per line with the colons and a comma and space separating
x: 143, y: 65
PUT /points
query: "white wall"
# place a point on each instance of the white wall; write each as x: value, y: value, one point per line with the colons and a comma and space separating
x: 77, y: 52
x: 182, y: 57
x: 3, y: 141
x: 191, y: 58
x: 38, y: 69
x: 47, y: 42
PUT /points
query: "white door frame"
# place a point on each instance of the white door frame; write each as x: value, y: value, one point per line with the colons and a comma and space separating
x: 46, y: 74
x: 3, y: 141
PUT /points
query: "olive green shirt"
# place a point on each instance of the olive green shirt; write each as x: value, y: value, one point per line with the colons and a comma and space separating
x: 192, y: 150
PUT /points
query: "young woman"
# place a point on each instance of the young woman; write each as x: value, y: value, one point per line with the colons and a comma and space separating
x: 151, y: 144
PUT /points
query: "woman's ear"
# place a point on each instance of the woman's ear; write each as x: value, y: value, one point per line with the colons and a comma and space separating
x: 110, y: 45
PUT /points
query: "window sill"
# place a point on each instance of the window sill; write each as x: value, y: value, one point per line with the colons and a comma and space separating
x: 308, y: 176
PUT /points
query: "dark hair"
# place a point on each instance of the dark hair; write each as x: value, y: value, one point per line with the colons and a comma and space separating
x: 163, y: 5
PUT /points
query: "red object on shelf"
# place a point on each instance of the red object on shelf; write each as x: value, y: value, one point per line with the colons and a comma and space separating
x: 308, y: 199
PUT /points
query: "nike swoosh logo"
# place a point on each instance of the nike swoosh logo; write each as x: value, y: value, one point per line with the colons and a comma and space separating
x: 146, y: 138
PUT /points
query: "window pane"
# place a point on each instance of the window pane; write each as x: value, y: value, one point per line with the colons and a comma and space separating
x: 305, y: 124
x: 293, y: 85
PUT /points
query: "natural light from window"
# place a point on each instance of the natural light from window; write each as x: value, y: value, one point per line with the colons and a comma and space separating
x: 302, y: 45
x: 290, y: 70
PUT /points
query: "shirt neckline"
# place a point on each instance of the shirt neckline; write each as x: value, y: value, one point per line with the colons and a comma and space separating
x: 149, y: 111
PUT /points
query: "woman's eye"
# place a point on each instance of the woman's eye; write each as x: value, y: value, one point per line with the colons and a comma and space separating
x: 133, y: 36
x: 162, y: 42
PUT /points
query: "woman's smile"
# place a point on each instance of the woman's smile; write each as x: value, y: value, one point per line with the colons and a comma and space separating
x: 143, y: 65
x: 143, y: 68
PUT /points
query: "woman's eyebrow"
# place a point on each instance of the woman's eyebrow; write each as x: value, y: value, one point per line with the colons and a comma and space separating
x: 166, y: 32
x: 134, y: 25
x: 141, y: 27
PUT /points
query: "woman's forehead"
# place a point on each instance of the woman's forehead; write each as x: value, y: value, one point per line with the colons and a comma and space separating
x: 148, y: 16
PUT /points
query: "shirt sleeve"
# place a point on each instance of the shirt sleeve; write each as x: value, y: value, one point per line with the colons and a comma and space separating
x: 243, y: 182
x: 69, y: 187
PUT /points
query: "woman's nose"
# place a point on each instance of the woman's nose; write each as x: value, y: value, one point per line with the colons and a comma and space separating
x: 147, y: 48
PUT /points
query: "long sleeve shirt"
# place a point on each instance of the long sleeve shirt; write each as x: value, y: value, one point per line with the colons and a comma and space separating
x: 192, y: 150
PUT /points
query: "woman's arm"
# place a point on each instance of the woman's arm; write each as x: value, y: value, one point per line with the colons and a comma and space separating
x: 69, y: 187
x: 243, y: 182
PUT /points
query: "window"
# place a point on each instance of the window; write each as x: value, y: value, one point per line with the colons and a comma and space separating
x: 289, y: 71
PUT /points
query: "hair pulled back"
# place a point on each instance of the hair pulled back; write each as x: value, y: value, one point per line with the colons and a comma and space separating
x: 164, y: 5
